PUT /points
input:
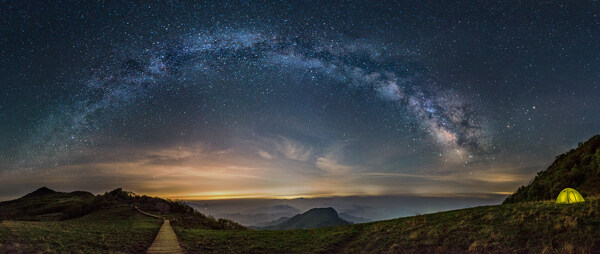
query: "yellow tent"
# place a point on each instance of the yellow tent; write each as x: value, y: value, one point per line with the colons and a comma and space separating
x: 568, y: 196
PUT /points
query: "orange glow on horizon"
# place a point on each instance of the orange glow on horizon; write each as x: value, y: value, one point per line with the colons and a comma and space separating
x: 225, y: 196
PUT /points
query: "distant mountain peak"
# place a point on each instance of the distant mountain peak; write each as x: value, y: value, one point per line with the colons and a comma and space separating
x: 322, y: 211
x: 44, y: 191
x: 313, y: 218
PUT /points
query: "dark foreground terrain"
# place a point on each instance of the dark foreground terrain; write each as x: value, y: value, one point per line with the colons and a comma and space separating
x: 115, y: 230
x: 529, y: 227
x: 538, y: 227
x: 525, y: 223
x: 46, y: 221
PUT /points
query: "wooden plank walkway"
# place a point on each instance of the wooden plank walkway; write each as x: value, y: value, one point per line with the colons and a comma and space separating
x: 166, y: 240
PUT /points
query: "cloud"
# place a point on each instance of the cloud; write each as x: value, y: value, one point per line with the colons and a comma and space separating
x: 164, y: 171
x: 265, y: 154
x: 332, y: 166
x: 199, y: 171
x: 293, y: 150
x: 330, y: 160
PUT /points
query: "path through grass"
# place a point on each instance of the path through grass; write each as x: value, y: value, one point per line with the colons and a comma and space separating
x: 121, y: 230
x: 534, y: 227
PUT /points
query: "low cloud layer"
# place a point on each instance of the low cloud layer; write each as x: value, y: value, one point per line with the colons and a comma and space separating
x: 201, y: 172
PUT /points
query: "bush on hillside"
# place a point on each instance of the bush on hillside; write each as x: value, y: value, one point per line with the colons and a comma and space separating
x: 578, y: 169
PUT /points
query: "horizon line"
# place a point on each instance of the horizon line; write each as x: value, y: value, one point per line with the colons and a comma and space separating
x: 201, y: 197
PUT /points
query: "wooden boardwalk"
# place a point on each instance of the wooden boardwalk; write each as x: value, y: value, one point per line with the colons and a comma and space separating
x: 166, y: 240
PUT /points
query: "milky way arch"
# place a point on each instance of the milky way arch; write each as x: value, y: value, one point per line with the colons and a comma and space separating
x: 446, y: 116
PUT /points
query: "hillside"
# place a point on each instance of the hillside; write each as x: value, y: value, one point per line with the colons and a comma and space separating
x: 41, y: 192
x: 117, y: 230
x: 578, y: 169
x: 47, y: 205
x: 535, y: 227
x: 528, y: 227
x: 313, y: 218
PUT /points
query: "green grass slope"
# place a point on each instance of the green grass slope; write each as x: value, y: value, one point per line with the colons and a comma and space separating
x: 46, y: 221
x: 46, y: 204
x: 116, y: 230
x: 313, y: 218
x: 527, y: 227
x: 178, y: 212
x: 578, y: 169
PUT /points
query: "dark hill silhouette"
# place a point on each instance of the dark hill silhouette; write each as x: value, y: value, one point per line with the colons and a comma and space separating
x: 46, y: 204
x: 578, y: 169
x: 313, y: 218
x: 44, y: 191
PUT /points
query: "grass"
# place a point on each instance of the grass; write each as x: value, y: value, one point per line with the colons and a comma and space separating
x: 119, y: 230
x: 50, y: 207
x: 262, y: 241
x: 538, y: 227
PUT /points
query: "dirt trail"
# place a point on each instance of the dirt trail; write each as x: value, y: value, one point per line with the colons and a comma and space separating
x: 166, y: 240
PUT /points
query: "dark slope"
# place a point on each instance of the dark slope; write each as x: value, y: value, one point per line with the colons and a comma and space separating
x: 578, y: 169
x: 526, y: 227
x: 313, y: 218
x: 45, y: 204
x: 44, y: 191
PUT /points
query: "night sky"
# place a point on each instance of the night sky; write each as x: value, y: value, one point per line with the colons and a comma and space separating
x: 227, y: 99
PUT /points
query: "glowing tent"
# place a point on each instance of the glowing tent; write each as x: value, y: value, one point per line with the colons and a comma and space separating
x: 568, y: 196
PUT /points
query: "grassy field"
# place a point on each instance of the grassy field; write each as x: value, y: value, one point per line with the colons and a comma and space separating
x: 119, y: 230
x: 537, y: 227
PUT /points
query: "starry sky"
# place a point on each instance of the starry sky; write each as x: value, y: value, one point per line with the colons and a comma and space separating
x: 285, y: 99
